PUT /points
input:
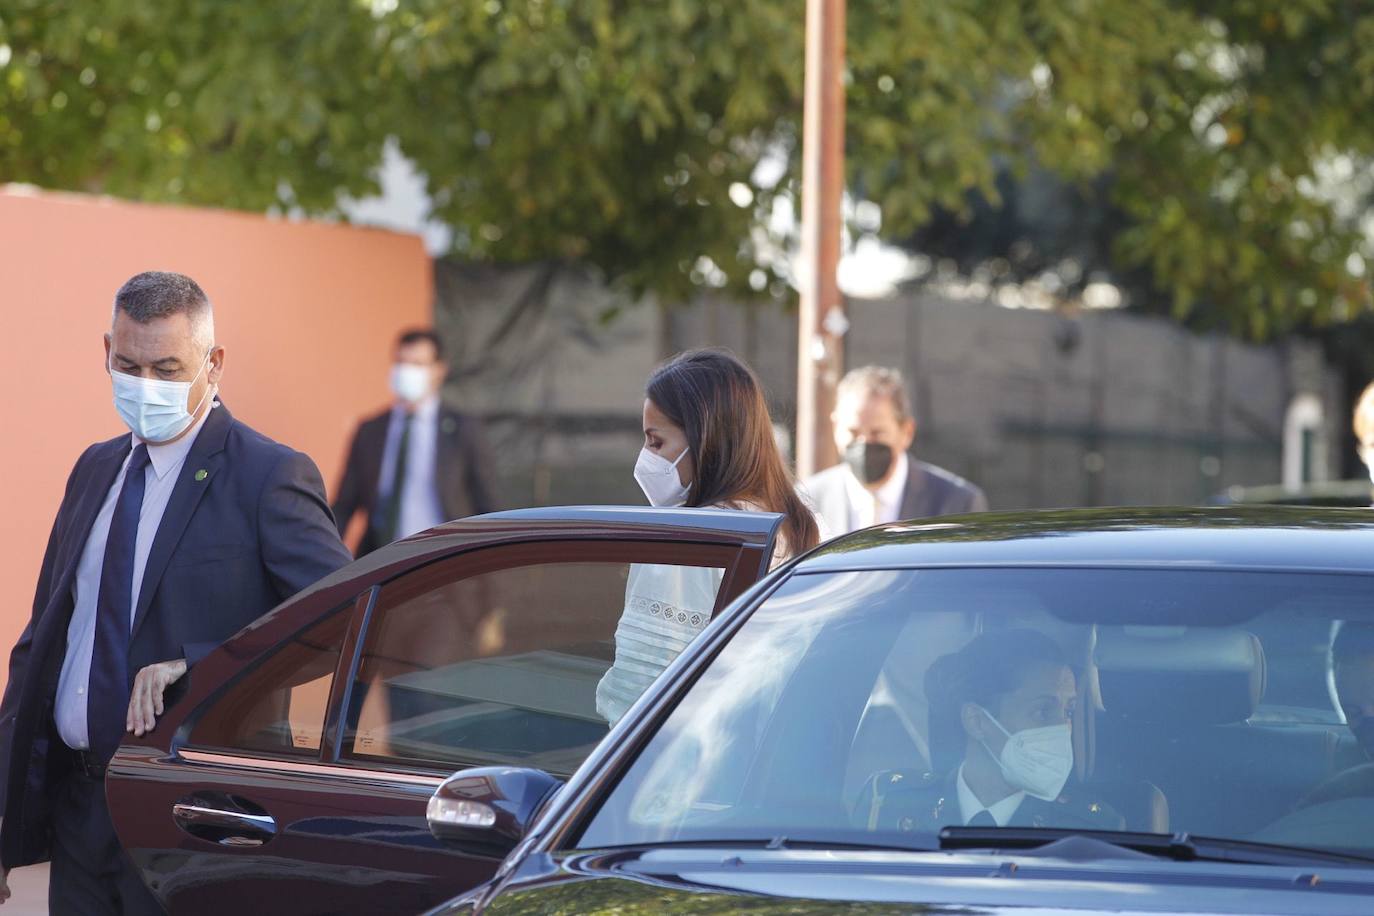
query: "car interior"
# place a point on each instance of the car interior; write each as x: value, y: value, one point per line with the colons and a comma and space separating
x: 1203, y: 708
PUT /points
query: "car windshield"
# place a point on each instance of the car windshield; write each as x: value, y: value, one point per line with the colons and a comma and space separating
x: 878, y: 707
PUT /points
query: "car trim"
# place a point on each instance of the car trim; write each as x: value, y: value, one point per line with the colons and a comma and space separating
x: 345, y: 673
x: 1161, y: 565
x: 332, y: 771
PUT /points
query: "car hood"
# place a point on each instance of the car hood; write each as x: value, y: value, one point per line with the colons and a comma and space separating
x: 709, y: 880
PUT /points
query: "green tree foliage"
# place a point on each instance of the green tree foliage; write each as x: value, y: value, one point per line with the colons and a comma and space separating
x: 630, y: 135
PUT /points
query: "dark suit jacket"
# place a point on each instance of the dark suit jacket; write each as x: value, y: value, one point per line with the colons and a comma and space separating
x: 253, y: 530
x: 463, y: 467
x: 930, y: 491
x: 911, y: 801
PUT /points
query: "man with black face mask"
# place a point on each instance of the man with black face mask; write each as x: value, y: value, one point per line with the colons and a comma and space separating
x: 878, y: 482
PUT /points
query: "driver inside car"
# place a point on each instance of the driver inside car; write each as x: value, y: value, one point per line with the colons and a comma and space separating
x: 1001, y: 738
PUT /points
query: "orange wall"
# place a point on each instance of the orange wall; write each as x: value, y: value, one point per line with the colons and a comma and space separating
x: 307, y: 313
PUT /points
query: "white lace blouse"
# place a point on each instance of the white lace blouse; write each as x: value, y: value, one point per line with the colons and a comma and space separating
x: 666, y: 607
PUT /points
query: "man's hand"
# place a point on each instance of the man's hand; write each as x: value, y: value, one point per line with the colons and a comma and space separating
x: 145, y: 702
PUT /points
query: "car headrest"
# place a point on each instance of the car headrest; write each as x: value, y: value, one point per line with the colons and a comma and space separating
x: 1206, y: 676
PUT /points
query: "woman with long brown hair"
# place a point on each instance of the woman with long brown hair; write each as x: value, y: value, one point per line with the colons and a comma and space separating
x: 708, y: 442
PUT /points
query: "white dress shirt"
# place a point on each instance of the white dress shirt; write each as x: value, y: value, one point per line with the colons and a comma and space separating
x: 421, y: 507
x: 160, y: 478
x: 867, y: 508
x: 970, y: 807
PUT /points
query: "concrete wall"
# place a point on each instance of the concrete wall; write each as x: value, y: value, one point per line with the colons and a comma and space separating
x: 307, y: 313
x: 1042, y: 409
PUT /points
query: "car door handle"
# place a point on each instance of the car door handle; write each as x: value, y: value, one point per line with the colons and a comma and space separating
x: 226, y: 824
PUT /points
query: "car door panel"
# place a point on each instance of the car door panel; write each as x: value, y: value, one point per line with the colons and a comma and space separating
x: 339, y: 840
x: 327, y: 814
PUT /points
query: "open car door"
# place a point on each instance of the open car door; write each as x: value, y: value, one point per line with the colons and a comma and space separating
x: 292, y: 773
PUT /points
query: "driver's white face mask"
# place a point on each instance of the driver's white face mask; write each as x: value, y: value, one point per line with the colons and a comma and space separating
x: 1036, y: 760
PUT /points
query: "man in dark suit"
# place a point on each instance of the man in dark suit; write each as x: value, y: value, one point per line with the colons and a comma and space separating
x: 878, y: 482
x: 167, y: 541
x: 420, y: 462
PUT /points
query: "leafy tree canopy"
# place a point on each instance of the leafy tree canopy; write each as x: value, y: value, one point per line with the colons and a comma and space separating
x: 654, y: 140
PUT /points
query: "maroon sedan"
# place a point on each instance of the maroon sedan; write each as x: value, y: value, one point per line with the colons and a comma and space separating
x: 293, y: 771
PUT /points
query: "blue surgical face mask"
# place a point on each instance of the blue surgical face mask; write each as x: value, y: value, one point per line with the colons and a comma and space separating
x: 409, y: 382
x: 153, y: 409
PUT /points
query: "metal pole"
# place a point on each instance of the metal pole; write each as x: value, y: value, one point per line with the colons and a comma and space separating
x: 821, y: 323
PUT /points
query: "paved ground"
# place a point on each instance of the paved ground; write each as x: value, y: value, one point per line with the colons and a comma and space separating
x: 30, y: 889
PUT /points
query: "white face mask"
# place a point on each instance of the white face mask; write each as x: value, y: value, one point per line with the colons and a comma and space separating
x: 658, y: 478
x: 153, y: 409
x: 1036, y: 760
x: 409, y: 382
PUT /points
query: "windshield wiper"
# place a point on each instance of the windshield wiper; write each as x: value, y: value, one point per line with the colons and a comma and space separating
x: 810, y: 840
x: 848, y: 842
x: 1182, y: 847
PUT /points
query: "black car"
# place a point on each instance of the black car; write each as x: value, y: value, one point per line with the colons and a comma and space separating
x: 1087, y: 711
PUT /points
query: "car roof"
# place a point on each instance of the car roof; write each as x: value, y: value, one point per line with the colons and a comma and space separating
x: 1230, y: 537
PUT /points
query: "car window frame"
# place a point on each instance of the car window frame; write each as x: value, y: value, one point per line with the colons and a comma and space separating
x: 182, y: 743
x: 735, y: 560
x: 740, y: 572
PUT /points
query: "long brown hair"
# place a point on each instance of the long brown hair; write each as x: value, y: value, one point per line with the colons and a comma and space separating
x: 718, y: 402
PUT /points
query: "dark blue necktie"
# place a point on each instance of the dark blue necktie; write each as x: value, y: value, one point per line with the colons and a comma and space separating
x: 107, y: 694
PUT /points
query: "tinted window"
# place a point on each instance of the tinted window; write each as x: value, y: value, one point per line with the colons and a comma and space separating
x: 279, y: 706
x: 882, y: 706
x: 463, y: 665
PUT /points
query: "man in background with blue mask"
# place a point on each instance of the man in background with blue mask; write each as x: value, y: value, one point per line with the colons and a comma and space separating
x: 420, y: 462
x: 170, y: 538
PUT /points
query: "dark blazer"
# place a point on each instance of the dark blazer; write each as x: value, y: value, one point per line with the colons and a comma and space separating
x: 247, y: 526
x: 909, y: 801
x: 463, y: 467
x: 930, y: 491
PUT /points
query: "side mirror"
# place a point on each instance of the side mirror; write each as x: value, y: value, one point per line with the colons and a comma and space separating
x: 490, y: 808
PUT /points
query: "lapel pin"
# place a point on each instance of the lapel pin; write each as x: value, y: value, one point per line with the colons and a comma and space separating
x: 202, y: 474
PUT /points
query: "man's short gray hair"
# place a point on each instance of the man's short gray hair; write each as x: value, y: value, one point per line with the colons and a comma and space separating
x: 878, y: 381
x: 156, y: 294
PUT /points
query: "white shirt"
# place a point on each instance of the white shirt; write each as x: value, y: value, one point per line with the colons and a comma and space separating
x: 421, y: 508
x: 867, y: 508
x: 160, y: 478
x: 970, y: 807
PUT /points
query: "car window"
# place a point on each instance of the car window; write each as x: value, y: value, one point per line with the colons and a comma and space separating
x: 279, y: 706
x: 508, y: 658
x: 882, y: 706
